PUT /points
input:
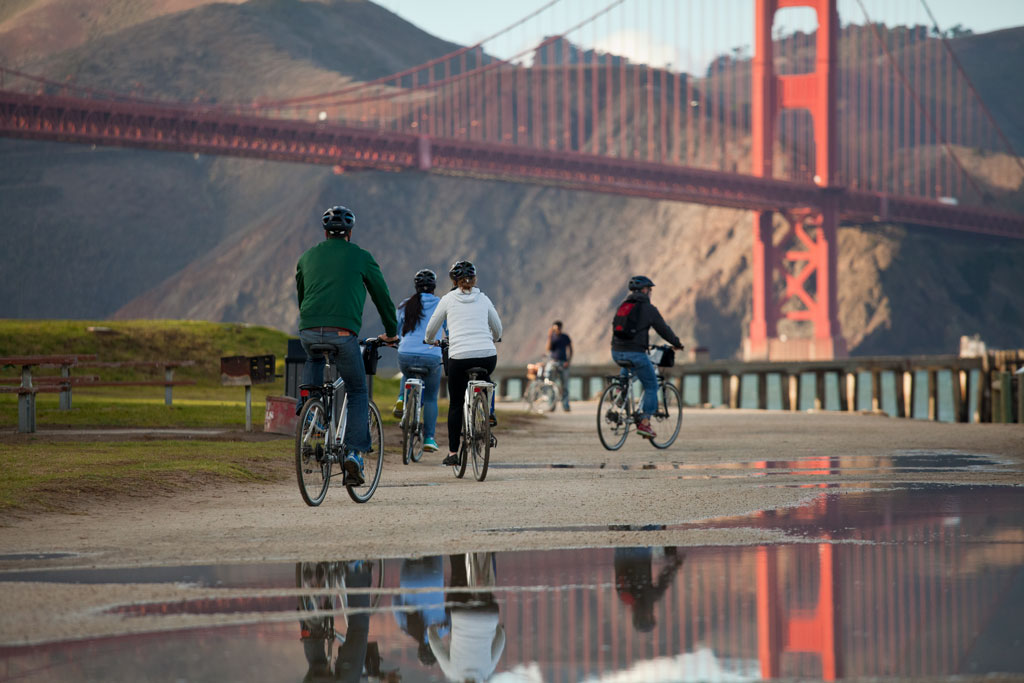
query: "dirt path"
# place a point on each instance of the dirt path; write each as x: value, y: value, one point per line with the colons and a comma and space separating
x: 523, y: 504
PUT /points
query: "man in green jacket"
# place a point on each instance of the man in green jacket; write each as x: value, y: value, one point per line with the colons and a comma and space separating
x: 332, y: 280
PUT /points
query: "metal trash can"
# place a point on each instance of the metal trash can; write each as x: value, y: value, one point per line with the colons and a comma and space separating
x: 293, y: 363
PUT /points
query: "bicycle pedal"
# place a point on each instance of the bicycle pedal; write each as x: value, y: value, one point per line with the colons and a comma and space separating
x: 494, y: 441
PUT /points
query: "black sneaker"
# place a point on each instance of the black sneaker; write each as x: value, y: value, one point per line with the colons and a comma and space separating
x: 452, y: 459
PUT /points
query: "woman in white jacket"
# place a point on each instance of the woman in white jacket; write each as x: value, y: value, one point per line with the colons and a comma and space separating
x: 473, y: 327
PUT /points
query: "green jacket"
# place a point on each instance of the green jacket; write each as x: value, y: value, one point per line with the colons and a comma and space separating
x: 332, y: 279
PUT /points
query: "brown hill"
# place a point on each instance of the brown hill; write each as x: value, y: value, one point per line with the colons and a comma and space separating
x: 170, y: 235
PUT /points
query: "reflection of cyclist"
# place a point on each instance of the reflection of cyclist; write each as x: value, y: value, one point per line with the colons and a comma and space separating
x: 633, y: 582
x: 331, y: 280
x: 424, y: 609
x: 630, y: 344
x: 473, y: 327
x: 413, y: 314
x: 477, y: 637
x: 317, y: 632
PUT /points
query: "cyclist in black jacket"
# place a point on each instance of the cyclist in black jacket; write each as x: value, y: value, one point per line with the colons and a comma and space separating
x: 633, y: 348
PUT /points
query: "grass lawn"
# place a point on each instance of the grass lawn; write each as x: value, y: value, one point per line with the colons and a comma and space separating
x: 54, y: 475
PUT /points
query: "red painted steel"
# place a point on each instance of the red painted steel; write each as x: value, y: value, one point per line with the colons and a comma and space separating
x: 772, y: 93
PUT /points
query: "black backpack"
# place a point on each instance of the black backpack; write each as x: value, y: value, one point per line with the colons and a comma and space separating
x: 627, y: 320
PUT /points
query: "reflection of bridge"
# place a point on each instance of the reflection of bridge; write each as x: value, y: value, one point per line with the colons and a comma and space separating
x: 853, y: 122
x: 913, y: 582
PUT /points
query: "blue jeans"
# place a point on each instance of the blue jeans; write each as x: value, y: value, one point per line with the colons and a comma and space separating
x: 431, y: 385
x: 562, y: 373
x: 643, y: 369
x: 349, y: 366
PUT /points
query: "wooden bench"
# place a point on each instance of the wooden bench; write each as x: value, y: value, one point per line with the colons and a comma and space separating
x: 27, y: 389
x: 26, y: 395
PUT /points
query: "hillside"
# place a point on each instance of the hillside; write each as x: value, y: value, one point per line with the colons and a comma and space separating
x: 130, y: 234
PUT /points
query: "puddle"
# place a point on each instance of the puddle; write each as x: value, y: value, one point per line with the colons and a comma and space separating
x: 912, y: 581
x: 915, y: 461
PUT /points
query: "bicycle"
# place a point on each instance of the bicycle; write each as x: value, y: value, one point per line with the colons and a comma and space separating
x: 318, y: 436
x: 542, y: 393
x: 476, y: 424
x: 412, y: 414
x: 617, y: 410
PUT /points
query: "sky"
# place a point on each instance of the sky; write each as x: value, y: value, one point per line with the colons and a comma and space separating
x: 648, y: 31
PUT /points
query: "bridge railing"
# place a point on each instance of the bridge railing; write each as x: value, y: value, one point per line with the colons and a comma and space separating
x: 949, y: 388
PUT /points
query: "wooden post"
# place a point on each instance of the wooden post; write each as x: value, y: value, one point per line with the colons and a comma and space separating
x: 704, y: 392
x: 169, y: 388
x: 65, y: 389
x: 819, y: 389
x: 847, y: 391
x: 1020, y: 395
x: 248, y: 408
x: 784, y: 390
x: 933, y: 394
x: 898, y: 381
x: 876, y: 391
x: 794, y: 391
x: 734, y: 391
x: 909, y: 382
x: 985, y: 389
x: 959, y: 379
x: 1006, y: 397
x: 26, y: 403
x: 762, y: 390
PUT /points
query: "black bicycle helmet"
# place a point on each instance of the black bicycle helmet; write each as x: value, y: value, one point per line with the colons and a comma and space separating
x: 638, y: 282
x: 460, y: 270
x: 339, y: 219
x: 425, y: 278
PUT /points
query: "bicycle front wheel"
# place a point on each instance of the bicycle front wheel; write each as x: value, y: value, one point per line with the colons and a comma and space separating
x: 668, y: 418
x: 373, y: 460
x: 613, y: 416
x: 547, y: 398
x: 480, y: 446
x: 312, y: 462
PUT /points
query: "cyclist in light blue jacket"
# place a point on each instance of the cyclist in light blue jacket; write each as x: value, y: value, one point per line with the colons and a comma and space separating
x: 413, y: 315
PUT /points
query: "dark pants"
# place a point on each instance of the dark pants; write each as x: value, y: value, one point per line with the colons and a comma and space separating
x: 349, y: 366
x: 458, y: 379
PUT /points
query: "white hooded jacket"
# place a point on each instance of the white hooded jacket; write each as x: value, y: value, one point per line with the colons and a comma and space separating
x: 473, y: 324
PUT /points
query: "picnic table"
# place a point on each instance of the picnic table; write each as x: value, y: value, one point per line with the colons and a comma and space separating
x: 27, y: 389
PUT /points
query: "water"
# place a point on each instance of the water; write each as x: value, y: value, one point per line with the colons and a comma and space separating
x: 907, y: 581
x: 748, y: 392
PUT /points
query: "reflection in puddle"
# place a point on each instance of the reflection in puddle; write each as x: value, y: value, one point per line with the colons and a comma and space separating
x: 911, y: 582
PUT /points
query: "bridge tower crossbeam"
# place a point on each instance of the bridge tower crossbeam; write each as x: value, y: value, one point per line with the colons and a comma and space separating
x: 814, y: 226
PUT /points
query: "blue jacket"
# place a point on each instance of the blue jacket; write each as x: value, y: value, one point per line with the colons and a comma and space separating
x: 412, y: 343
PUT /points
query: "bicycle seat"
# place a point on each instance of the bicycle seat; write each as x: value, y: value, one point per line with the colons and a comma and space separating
x: 323, y: 348
x: 624, y: 363
x: 417, y: 370
x: 474, y: 373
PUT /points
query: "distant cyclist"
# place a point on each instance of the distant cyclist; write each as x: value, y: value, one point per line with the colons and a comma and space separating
x: 630, y: 338
x: 332, y: 279
x: 473, y: 327
x: 413, y: 315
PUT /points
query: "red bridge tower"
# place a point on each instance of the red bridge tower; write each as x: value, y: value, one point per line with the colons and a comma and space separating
x: 814, y: 228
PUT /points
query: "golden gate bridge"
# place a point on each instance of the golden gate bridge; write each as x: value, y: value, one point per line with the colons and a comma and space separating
x: 853, y: 121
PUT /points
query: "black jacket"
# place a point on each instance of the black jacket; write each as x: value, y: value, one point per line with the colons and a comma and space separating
x: 649, y: 317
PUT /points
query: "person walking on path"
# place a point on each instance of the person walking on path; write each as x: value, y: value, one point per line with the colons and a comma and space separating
x: 331, y: 280
x: 559, y: 349
x: 413, y: 315
x: 634, y: 318
x: 473, y: 327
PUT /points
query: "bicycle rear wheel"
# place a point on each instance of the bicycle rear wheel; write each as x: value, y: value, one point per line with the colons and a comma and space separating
x: 373, y: 460
x: 460, y: 470
x: 312, y: 462
x: 547, y: 398
x: 668, y: 418
x: 480, y: 447
x: 613, y: 416
x: 414, y: 440
x: 409, y: 426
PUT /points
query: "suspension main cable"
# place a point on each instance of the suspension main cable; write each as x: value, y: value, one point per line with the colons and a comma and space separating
x: 970, y: 84
x: 917, y: 100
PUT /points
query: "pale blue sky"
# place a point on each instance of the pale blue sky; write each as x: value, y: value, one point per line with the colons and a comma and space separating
x: 664, y: 31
